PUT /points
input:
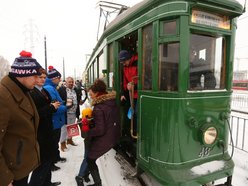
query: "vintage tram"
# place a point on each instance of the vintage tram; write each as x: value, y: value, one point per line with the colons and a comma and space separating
x: 185, y: 65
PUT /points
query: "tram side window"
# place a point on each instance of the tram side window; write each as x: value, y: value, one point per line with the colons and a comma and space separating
x: 168, y: 66
x: 207, y: 68
x: 91, y: 74
x: 102, y: 68
x: 95, y: 70
x: 147, y: 58
x: 111, y: 64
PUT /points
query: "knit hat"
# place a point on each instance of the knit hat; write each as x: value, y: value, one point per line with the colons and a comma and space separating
x: 53, y: 73
x: 124, y: 55
x: 25, y: 65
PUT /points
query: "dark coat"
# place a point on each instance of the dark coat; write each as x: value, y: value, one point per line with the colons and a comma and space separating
x: 45, y: 129
x: 106, y: 133
x: 19, y: 119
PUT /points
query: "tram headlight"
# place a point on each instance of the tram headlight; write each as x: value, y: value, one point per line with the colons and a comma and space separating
x: 210, y: 135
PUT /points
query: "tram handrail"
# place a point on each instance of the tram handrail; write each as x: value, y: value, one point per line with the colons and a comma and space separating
x: 135, y: 136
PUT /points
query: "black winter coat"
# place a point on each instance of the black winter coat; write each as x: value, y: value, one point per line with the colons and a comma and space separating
x: 45, y: 129
x: 107, y: 131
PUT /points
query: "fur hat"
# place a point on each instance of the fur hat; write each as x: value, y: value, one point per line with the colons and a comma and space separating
x: 124, y: 55
x: 53, y: 73
x: 25, y: 65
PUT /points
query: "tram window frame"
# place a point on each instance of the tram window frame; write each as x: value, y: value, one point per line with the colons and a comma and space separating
x: 206, y: 56
x: 165, y: 39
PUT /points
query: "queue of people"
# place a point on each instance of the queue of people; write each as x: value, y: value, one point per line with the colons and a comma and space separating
x: 34, y: 114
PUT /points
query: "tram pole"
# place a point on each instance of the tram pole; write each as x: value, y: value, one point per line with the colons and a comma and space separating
x: 45, y: 53
x: 63, y: 69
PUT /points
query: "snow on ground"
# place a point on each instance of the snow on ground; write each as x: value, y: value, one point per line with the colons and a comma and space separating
x: 113, y: 174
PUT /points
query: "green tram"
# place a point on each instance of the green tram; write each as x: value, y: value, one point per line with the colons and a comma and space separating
x: 185, y: 66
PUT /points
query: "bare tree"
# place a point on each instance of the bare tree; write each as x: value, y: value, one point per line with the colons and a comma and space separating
x: 4, y: 67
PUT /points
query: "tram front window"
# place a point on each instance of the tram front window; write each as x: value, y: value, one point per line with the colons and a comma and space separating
x: 168, y: 66
x: 207, y: 64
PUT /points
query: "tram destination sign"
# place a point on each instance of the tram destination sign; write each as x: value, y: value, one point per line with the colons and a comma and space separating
x: 209, y: 19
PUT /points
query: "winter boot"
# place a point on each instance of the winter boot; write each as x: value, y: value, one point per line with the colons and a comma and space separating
x: 70, y: 142
x: 63, y: 146
x: 79, y: 180
x: 86, y: 177
x: 96, y: 177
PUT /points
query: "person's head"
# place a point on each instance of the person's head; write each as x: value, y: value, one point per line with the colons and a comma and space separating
x: 54, y: 75
x: 97, y: 89
x: 26, y: 69
x: 41, y: 78
x: 124, y: 57
x: 69, y: 82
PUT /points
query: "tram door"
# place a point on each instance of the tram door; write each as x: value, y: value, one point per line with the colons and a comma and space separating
x: 128, y: 43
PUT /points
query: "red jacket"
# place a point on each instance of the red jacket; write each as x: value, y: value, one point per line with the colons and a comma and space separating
x: 129, y: 72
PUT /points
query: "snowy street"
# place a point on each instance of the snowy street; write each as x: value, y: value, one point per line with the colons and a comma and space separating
x: 113, y: 174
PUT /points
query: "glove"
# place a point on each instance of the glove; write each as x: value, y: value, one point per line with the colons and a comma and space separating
x: 85, y: 125
x: 85, y: 128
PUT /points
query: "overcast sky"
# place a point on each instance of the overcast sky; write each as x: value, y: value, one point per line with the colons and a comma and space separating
x: 70, y: 27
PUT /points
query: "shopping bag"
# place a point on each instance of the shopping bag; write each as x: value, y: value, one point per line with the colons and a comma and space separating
x: 130, y: 113
x: 72, y: 130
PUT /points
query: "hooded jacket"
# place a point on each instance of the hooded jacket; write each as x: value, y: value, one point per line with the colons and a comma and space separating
x: 59, y: 115
x: 106, y: 133
x: 19, y: 149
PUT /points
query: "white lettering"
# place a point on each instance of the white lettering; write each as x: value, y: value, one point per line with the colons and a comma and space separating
x: 22, y: 71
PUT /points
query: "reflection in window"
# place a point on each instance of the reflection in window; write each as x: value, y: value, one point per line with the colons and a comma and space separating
x: 207, y: 68
x: 147, y: 58
x: 170, y: 28
x: 168, y: 66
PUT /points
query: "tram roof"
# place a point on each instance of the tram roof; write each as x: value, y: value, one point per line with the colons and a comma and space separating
x: 234, y: 7
x: 136, y: 10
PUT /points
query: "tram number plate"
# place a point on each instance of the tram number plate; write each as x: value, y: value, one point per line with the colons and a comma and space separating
x: 205, y: 151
